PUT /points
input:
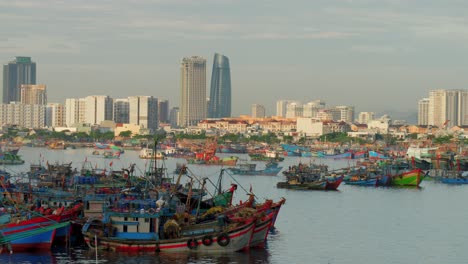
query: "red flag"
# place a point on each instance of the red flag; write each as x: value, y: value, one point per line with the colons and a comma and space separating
x: 110, y: 164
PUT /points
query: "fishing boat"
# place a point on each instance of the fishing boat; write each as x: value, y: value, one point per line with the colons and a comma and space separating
x: 7, y: 158
x: 271, y: 169
x: 149, y: 153
x: 408, y: 178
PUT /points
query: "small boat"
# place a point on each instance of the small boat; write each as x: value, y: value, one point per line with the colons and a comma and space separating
x: 149, y: 153
x: 271, y: 169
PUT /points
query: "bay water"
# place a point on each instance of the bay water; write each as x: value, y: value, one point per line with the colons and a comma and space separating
x: 352, y: 225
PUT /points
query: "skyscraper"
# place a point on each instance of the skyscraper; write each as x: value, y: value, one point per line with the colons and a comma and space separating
x: 443, y: 108
x: 98, y: 108
x: 220, y: 92
x: 33, y: 94
x: 15, y: 73
x: 423, y: 112
x: 55, y: 115
x: 192, y: 90
x: 75, y: 109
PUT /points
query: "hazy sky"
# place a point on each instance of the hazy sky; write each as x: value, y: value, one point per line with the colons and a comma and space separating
x: 376, y: 55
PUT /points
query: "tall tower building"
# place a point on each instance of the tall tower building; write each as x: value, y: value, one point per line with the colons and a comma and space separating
x: 15, y: 73
x: 192, y: 90
x: 463, y: 108
x: 174, y: 117
x: 121, y: 111
x: 163, y: 111
x: 258, y: 111
x: 423, y: 112
x: 144, y: 111
x: 220, y: 92
x: 33, y: 94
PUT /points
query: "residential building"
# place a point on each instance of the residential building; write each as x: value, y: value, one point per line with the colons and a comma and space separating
x: 98, y: 108
x: 55, y: 115
x: 33, y: 94
x: 282, y: 107
x: 144, y: 112
x: 163, y: 111
x: 15, y: 73
x: 193, y: 91
x: 294, y: 110
x: 220, y: 92
x: 343, y: 113
x: 365, y: 117
x: 312, y: 108
x: 174, y: 117
x: 121, y: 111
x: 22, y: 115
x: 75, y: 109
x: 258, y: 111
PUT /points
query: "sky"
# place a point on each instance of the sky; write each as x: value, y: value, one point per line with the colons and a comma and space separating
x: 380, y: 56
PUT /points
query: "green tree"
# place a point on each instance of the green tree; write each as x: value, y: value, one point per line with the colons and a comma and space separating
x: 126, y: 134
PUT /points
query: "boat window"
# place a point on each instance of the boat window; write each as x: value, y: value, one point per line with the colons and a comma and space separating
x: 125, y: 228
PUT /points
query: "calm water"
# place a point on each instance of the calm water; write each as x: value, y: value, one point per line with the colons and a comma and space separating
x: 353, y: 225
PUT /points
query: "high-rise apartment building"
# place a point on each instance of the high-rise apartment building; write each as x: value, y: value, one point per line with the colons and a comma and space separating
x: 55, y: 115
x: 343, y: 113
x: 33, y: 94
x: 365, y: 117
x: 174, y: 117
x: 98, y: 108
x: 444, y: 108
x: 312, y: 108
x: 15, y: 73
x: 220, y: 92
x: 282, y: 107
x: 463, y: 108
x: 163, y: 111
x: 75, y: 111
x: 423, y: 112
x: 23, y: 115
x: 144, y: 111
x: 121, y: 111
x: 294, y: 109
x: 192, y: 90
x: 258, y: 111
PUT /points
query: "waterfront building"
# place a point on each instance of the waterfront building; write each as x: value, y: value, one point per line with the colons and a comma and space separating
x: 75, y: 109
x: 55, y: 115
x: 163, y: 111
x: 98, y: 108
x: 258, y: 111
x: 15, y: 73
x: 144, y: 112
x: 193, y: 91
x: 121, y: 111
x: 23, y: 115
x: 365, y: 117
x: 33, y: 94
x: 220, y: 92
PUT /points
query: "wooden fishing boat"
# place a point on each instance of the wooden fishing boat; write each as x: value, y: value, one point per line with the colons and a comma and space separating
x: 271, y: 169
x: 408, y: 178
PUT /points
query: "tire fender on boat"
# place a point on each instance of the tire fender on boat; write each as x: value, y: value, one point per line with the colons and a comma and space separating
x: 207, y: 240
x: 192, y: 243
x: 224, y: 239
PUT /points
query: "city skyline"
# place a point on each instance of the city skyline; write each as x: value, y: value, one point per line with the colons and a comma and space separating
x: 343, y: 52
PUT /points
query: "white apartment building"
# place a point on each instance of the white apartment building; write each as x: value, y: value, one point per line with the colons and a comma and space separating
x: 423, y: 112
x: 312, y: 108
x: 98, y: 108
x: 365, y: 117
x: 75, y: 111
x: 294, y: 109
x: 23, y: 115
x: 143, y: 111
